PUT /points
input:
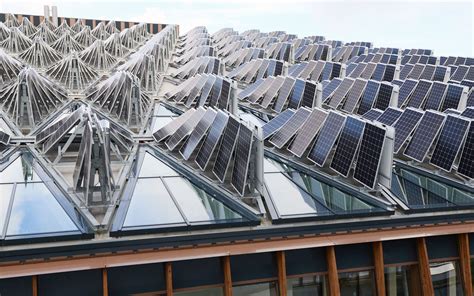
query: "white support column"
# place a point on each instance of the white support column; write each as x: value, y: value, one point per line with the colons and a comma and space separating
x: 54, y: 10
x: 46, y: 12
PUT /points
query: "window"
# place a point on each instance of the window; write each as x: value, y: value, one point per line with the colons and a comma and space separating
x: 446, y: 278
x: 402, y: 280
x: 260, y: 289
x: 315, y: 285
x: 361, y: 283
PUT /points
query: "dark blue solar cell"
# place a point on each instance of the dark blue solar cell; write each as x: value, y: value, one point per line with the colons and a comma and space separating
x: 368, y: 98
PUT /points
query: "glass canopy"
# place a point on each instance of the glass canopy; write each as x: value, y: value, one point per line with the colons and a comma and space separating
x: 31, y: 205
x: 294, y: 194
x: 420, y: 191
x: 157, y: 197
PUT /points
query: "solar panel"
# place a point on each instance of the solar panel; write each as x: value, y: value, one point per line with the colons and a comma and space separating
x: 309, y: 94
x: 226, y: 148
x: 283, y: 94
x: 225, y: 95
x: 272, y: 91
x: 405, y: 126
x: 368, y: 71
x: 466, y: 161
x: 297, y: 94
x: 369, y: 156
x: 4, y: 138
x: 406, y: 90
x: 390, y: 116
x: 198, y: 133
x: 453, y: 97
x: 470, y: 99
x: 389, y: 73
x: 354, y: 95
x: 428, y: 72
x: 242, y: 159
x: 384, y: 97
x: 372, y: 114
x: 419, y: 94
x: 358, y: 70
x: 440, y: 73
x: 210, y: 142
x: 405, y: 71
x: 327, y: 71
x: 436, y: 95
x: 216, y: 92
x: 276, y: 123
x: 68, y: 124
x: 424, y: 135
x: 185, y: 129
x: 250, y: 89
x: 327, y: 137
x: 368, y: 98
x: 289, y: 129
x: 347, y: 146
x: 378, y: 72
x: 307, y: 132
x: 468, y: 112
x: 460, y: 73
x: 341, y: 92
x: 449, y: 142
x: 316, y: 73
x: 261, y: 90
x: 329, y: 89
x: 416, y: 71
x: 206, y: 90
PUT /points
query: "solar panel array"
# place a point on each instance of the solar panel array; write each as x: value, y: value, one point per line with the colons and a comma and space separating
x: 205, y: 136
x: 202, y: 90
x: 317, y: 134
x: 279, y: 93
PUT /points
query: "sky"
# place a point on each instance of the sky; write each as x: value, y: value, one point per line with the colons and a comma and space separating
x: 443, y: 26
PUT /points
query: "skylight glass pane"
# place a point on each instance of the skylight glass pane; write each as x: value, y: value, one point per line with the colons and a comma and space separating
x: 159, y: 122
x: 152, y: 167
x: 151, y: 204
x: 5, y: 196
x: 19, y: 170
x: 196, y: 204
x: 288, y: 198
x: 330, y: 196
x: 161, y: 110
x: 35, y: 210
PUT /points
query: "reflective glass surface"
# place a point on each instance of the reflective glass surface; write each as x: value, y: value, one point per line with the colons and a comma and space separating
x: 35, y: 210
x: 308, y: 285
x: 217, y: 291
x: 360, y: 283
x: 418, y: 191
x: 288, y: 198
x: 402, y: 280
x: 261, y: 289
x: 20, y: 170
x: 446, y: 278
x: 151, y: 204
x: 153, y: 167
x: 5, y: 197
x: 196, y: 204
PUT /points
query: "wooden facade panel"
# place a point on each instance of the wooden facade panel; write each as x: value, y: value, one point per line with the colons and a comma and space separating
x: 379, y: 268
x: 465, y: 263
x: 424, y: 267
x: 333, y: 277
